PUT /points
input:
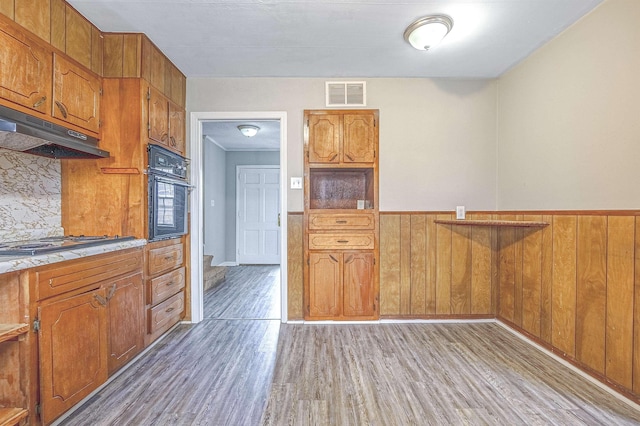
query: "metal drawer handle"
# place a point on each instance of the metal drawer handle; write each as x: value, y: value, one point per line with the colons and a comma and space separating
x: 341, y: 221
x: 168, y: 257
x: 170, y: 283
x: 40, y: 102
x: 62, y: 108
x: 169, y: 310
x: 343, y: 241
x: 100, y: 299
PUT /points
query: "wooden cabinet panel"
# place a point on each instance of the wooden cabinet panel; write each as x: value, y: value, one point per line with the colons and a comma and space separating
x: 158, y: 117
x: 67, y: 276
x: 25, y: 69
x: 76, y: 95
x: 325, y: 283
x: 35, y: 16
x: 166, y: 258
x: 323, y: 221
x: 126, y: 320
x: 113, y: 58
x: 344, y: 241
x: 7, y: 8
x: 97, y: 46
x: 73, y: 351
x: 58, y: 24
x: 164, y: 286
x: 166, y: 314
x: 325, y: 136
x: 176, y: 128
x: 358, y: 284
x: 178, y: 83
x: 359, y: 138
x: 158, y: 68
x: 78, y: 37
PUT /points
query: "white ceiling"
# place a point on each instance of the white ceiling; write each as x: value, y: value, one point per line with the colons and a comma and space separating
x: 337, y: 38
x: 226, y: 135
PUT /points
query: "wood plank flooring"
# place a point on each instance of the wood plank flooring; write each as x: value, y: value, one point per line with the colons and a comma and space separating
x: 248, y: 292
x: 241, y: 371
x: 427, y: 374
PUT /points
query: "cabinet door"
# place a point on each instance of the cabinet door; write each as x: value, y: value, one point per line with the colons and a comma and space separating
x: 73, y: 351
x: 25, y: 70
x: 325, y: 283
x: 76, y: 95
x: 158, y: 117
x: 359, y: 138
x: 358, y: 282
x: 325, y: 136
x: 126, y: 320
x: 176, y: 128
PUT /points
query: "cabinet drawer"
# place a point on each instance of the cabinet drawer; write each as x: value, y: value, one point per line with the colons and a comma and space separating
x: 164, y: 259
x: 166, y: 314
x: 341, y: 221
x: 75, y: 274
x: 166, y: 285
x: 364, y: 241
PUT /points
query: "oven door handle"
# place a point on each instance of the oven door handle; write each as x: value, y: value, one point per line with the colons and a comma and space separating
x: 173, y: 182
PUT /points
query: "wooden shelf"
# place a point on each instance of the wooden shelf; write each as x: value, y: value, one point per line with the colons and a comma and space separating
x: 514, y: 223
x: 12, y: 416
x: 10, y: 331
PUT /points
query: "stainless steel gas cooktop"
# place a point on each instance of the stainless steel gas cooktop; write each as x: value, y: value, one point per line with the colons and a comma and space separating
x: 53, y: 244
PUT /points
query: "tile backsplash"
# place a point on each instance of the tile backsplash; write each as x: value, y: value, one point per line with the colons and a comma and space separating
x: 30, y: 196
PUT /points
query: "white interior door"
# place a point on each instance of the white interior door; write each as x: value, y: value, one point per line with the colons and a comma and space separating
x: 258, y: 215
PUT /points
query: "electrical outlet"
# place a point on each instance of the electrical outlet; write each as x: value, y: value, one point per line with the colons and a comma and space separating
x: 460, y: 213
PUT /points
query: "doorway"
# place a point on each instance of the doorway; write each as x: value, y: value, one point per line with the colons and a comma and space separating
x: 197, y: 201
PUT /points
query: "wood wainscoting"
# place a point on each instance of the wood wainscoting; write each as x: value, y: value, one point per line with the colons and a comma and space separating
x: 572, y: 286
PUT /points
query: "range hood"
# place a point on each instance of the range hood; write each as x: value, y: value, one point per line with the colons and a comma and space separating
x: 32, y: 135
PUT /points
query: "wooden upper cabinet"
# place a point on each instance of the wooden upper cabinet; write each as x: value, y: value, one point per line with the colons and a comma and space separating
x: 76, y: 95
x: 35, y: 16
x: 25, y: 69
x: 78, y: 42
x: 342, y: 137
x: 158, y: 117
x: 176, y: 128
x: 359, y: 138
x: 325, y: 137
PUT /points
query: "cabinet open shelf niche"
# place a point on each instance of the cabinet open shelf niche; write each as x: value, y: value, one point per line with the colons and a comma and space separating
x: 340, y: 188
x: 11, y: 331
x: 513, y: 223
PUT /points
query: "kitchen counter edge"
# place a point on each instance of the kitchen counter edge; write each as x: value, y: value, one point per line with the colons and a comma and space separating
x: 18, y: 263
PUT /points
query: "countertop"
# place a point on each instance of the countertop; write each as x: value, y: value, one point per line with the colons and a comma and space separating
x: 17, y: 263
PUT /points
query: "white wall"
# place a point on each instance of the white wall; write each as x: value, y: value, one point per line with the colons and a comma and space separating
x: 234, y: 159
x: 214, y: 186
x: 569, y: 118
x: 437, y: 136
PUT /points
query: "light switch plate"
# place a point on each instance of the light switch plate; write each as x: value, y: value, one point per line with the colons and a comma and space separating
x: 296, y: 183
x: 460, y: 213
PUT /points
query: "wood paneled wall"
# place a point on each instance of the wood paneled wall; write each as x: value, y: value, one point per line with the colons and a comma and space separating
x: 429, y: 270
x: 573, y: 286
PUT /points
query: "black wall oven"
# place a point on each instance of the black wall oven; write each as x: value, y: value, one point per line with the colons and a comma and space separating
x: 168, y: 194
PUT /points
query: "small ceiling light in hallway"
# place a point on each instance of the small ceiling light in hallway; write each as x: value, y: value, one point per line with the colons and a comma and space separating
x: 248, y: 130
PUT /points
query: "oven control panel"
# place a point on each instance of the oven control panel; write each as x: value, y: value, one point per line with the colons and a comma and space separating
x: 163, y: 161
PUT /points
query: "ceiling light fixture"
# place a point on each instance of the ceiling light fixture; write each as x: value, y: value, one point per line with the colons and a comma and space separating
x: 248, y: 130
x: 426, y: 32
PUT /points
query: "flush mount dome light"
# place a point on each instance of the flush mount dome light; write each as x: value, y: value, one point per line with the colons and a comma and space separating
x: 426, y: 32
x: 248, y: 130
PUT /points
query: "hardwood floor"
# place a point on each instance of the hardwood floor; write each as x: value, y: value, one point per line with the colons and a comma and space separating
x: 227, y: 371
x: 435, y: 374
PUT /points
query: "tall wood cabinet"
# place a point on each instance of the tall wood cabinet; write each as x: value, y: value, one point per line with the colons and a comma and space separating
x: 341, y: 220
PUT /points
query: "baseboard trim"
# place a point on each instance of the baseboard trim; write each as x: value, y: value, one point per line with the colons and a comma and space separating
x: 570, y: 366
x: 228, y: 264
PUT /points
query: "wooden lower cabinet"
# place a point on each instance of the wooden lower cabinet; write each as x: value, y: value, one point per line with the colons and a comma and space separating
x: 90, y: 320
x: 342, y: 285
x: 72, y: 351
x: 126, y: 320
